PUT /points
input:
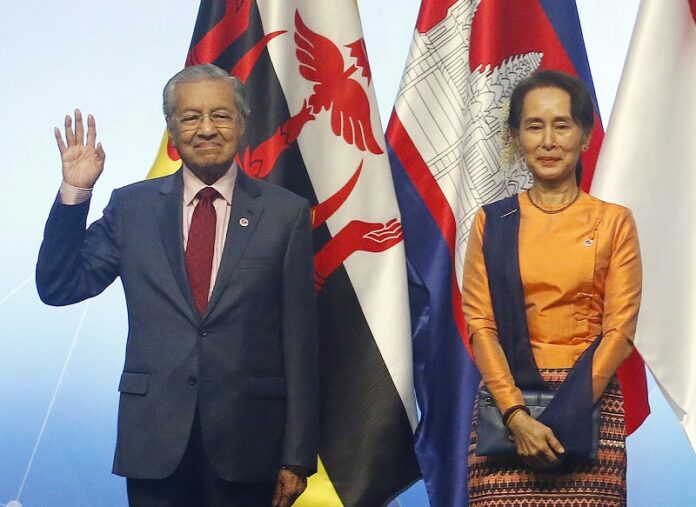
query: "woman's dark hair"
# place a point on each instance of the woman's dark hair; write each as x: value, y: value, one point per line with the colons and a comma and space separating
x: 581, y: 105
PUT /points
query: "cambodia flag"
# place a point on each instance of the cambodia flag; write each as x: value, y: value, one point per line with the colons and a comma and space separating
x: 444, y: 145
x: 314, y: 129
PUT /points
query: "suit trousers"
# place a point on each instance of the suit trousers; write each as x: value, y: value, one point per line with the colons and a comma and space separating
x: 194, y: 483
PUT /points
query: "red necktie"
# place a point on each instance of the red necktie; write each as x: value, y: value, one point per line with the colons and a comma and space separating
x: 200, y: 246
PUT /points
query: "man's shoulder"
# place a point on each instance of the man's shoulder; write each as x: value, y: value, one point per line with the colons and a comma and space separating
x: 140, y: 189
x: 279, y: 196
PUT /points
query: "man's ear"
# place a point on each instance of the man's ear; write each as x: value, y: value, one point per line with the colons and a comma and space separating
x: 241, y: 138
x: 171, y: 129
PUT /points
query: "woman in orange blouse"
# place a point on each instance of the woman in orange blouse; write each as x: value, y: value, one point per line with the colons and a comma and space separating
x: 579, y: 263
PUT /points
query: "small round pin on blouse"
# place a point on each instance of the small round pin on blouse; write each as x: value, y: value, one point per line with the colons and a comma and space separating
x: 588, y: 242
x: 244, y: 222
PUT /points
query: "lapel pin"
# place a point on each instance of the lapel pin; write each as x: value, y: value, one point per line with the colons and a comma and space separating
x: 244, y: 222
x: 588, y: 242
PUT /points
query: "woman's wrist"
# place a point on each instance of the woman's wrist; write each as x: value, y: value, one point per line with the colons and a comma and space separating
x: 510, y: 412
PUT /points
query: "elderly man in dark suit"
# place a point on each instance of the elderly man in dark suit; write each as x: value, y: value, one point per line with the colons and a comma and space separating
x: 218, y: 403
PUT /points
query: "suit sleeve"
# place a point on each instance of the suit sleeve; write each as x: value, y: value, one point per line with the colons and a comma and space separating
x: 300, y: 347
x: 76, y: 263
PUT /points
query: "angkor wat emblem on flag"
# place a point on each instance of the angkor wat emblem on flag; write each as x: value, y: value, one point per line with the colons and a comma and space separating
x: 453, y: 115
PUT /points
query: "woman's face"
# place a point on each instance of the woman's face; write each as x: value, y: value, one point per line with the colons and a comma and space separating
x: 549, y: 137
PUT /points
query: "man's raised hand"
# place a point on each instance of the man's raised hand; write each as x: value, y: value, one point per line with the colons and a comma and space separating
x: 83, y: 162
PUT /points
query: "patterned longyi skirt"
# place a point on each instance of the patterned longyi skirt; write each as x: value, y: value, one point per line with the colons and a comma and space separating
x: 507, y: 482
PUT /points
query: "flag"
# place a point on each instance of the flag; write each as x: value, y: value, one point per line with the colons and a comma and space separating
x: 315, y: 129
x: 443, y: 139
x: 648, y: 163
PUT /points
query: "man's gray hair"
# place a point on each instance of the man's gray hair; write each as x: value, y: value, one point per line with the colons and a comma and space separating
x: 204, y: 72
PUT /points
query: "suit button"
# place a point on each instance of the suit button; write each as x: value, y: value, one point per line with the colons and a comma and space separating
x: 202, y: 332
x: 192, y: 380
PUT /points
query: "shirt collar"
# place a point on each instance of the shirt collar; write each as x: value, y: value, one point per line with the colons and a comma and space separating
x: 224, y: 185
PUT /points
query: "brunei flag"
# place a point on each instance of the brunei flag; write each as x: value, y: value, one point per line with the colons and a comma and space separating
x: 314, y: 128
x: 444, y: 143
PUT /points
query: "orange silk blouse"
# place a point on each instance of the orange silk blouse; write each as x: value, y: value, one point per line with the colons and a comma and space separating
x: 581, y: 273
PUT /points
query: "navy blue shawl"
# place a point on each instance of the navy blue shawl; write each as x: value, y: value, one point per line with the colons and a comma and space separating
x: 569, y: 414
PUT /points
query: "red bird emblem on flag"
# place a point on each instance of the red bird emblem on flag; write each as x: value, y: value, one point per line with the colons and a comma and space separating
x: 322, y: 62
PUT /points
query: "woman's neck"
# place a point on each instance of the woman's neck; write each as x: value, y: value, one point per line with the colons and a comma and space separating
x: 553, y: 196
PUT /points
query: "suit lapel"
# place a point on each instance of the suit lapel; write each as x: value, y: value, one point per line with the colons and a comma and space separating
x: 247, y: 208
x: 169, y: 212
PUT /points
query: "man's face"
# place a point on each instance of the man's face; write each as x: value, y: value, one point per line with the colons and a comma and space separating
x: 205, y: 127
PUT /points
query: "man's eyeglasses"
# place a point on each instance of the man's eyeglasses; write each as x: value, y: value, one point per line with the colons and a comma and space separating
x: 222, y: 119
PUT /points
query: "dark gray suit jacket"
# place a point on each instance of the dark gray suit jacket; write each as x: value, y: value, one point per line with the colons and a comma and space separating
x: 249, y: 364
